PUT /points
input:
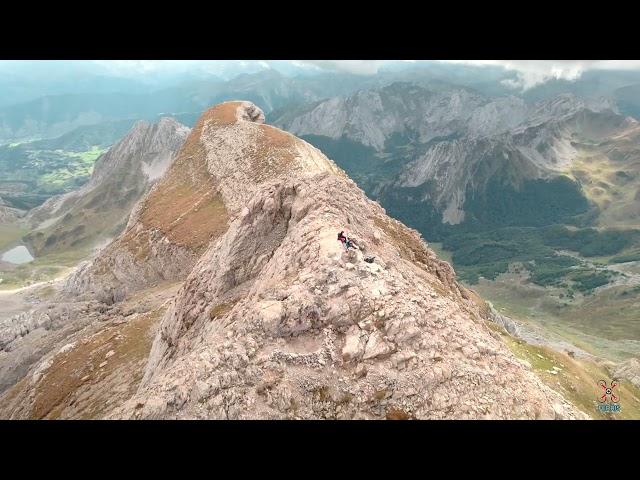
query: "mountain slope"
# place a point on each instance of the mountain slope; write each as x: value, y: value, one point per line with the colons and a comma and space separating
x: 190, y: 206
x: 627, y: 99
x: 536, y: 203
x: 438, y: 148
x: 608, y: 170
x: 274, y: 319
x: 121, y: 176
x: 7, y: 213
x: 307, y: 330
x: 32, y: 172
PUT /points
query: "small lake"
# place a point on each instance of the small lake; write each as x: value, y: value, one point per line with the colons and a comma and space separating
x: 17, y: 255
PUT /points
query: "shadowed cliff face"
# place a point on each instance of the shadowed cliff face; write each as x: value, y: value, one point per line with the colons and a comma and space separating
x: 274, y: 319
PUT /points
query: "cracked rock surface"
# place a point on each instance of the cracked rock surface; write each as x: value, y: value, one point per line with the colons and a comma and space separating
x: 275, y: 320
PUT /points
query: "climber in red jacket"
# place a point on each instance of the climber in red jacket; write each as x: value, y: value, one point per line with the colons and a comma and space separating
x: 346, y: 242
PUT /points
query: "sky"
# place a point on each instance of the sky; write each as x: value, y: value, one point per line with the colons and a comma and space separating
x: 534, y: 72
x: 529, y: 73
x: 526, y: 73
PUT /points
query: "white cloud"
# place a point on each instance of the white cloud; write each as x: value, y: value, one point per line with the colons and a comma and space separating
x: 530, y: 73
x: 360, y: 67
x: 527, y: 73
x: 144, y: 66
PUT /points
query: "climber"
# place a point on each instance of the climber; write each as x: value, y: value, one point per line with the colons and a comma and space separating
x: 346, y: 242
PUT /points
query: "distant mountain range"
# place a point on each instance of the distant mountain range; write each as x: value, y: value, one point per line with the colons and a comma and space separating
x: 447, y: 153
x: 499, y: 181
x: 55, y: 115
x: 99, y: 98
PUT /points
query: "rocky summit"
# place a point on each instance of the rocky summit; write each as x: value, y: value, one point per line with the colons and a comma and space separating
x: 228, y: 296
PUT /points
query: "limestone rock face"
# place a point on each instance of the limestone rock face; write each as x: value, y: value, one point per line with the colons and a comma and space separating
x: 275, y: 296
x: 273, y: 318
x: 276, y: 320
x: 455, y: 140
x: 628, y: 370
x: 226, y: 158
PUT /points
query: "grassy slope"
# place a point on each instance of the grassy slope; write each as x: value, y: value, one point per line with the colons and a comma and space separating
x: 576, y: 380
x: 608, y: 174
x: 42, y: 269
x: 603, y: 321
x: 606, y: 324
x: 79, y: 166
x: 10, y: 234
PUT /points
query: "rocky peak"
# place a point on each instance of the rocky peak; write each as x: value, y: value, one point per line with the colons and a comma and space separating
x: 143, y: 141
x: 250, y: 113
x: 274, y: 318
x: 242, y: 153
x: 165, y: 131
x: 562, y: 107
x: 229, y: 155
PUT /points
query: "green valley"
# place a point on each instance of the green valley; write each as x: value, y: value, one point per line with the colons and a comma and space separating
x: 31, y: 172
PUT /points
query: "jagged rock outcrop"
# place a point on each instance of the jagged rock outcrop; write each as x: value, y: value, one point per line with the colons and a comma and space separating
x: 99, y: 210
x: 84, y: 360
x: 628, y: 370
x: 27, y: 337
x: 275, y: 319
x: 9, y: 214
x: 373, y: 117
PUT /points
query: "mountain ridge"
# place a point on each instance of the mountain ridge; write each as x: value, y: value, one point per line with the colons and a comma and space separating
x: 273, y: 318
x: 180, y: 225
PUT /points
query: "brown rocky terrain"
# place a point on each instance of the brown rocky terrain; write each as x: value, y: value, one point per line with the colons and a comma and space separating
x: 271, y: 318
